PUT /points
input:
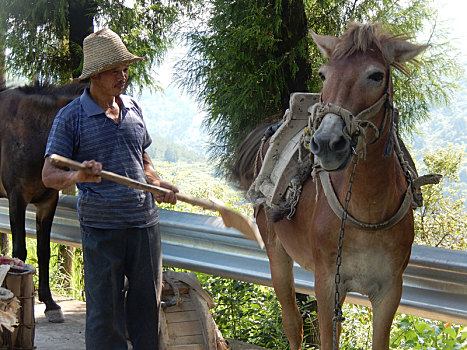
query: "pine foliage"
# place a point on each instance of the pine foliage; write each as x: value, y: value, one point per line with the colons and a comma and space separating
x: 243, y: 65
x: 251, y: 54
x: 44, y: 38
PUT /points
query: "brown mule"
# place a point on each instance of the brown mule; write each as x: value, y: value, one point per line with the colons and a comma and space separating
x: 355, y: 113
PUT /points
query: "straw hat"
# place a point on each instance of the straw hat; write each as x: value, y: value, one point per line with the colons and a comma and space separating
x: 104, y: 50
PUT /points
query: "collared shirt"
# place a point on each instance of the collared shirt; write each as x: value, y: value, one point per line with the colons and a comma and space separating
x: 82, y: 131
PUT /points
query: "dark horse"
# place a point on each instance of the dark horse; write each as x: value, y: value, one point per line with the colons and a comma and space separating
x: 355, y: 113
x: 26, y: 116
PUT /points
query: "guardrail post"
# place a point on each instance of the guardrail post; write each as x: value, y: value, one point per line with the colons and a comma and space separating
x: 4, y: 244
x: 65, y: 253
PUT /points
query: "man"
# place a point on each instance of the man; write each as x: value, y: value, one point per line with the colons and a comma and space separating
x: 119, y: 225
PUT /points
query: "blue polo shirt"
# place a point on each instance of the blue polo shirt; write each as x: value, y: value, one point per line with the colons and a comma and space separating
x: 82, y: 131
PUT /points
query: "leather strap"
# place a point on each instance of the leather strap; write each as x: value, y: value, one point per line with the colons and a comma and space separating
x: 338, y: 209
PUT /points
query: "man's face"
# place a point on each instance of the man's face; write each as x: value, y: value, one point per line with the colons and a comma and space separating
x: 112, y: 81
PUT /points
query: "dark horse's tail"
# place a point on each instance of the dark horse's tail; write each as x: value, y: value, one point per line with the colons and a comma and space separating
x: 242, y: 172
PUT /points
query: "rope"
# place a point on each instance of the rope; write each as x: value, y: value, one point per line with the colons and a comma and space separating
x: 355, y: 131
x: 259, y: 155
x: 354, y: 126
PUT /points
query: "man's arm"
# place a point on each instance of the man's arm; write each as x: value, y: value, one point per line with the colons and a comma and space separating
x: 154, y: 179
x: 57, y: 178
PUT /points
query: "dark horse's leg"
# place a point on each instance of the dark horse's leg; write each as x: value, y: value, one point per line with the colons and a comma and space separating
x: 45, y: 211
x: 17, y: 212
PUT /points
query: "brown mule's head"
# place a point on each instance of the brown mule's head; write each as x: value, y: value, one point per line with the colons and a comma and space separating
x: 357, y: 89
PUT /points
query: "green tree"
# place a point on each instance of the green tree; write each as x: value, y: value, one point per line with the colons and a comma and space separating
x: 251, y: 54
x: 442, y: 220
x: 433, y: 76
x: 45, y: 37
x: 244, y: 64
x: 3, y: 28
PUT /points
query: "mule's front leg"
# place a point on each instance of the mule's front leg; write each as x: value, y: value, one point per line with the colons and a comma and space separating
x: 283, y: 282
x: 385, y: 305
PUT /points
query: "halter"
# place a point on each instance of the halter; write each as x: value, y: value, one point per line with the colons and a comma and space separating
x: 355, y: 131
x: 355, y: 126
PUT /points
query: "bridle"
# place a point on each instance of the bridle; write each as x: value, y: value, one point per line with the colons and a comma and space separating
x: 355, y: 131
x: 355, y: 126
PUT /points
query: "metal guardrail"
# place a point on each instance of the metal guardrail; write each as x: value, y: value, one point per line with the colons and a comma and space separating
x: 435, y: 281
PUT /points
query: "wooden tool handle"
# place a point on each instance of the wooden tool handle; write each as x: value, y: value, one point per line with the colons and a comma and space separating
x: 60, y: 161
x: 230, y: 217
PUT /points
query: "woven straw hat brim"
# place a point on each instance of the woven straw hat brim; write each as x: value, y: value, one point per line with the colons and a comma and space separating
x: 104, y: 50
x: 91, y: 71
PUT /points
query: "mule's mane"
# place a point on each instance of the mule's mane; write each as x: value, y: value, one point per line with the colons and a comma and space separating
x: 362, y: 37
x: 71, y: 89
x: 47, y: 96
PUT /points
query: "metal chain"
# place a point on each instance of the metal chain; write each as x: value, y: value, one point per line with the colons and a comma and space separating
x: 338, y: 318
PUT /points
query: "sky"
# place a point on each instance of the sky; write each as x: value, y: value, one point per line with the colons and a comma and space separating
x: 453, y: 11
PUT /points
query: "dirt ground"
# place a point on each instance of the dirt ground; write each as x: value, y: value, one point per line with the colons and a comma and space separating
x: 70, y: 334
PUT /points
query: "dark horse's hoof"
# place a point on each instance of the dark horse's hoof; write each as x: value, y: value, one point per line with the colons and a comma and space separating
x: 55, y: 316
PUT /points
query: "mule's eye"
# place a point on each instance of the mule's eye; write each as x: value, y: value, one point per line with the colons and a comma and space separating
x: 321, y: 76
x: 378, y: 76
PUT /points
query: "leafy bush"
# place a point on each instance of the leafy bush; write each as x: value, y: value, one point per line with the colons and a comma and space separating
x: 442, y: 221
x: 246, y: 311
x: 64, y: 284
x: 410, y: 332
x: 407, y: 332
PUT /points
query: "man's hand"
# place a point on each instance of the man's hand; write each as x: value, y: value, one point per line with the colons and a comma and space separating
x: 93, y: 174
x: 170, y: 196
x: 58, y: 178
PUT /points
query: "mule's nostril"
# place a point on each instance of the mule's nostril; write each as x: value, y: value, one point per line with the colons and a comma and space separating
x: 314, y: 146
x: 338, y: 144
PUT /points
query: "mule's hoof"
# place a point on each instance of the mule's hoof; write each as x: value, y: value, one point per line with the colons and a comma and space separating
x: 55, y: 316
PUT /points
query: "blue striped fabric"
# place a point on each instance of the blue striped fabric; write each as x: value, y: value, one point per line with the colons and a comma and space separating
x: 81, y: 131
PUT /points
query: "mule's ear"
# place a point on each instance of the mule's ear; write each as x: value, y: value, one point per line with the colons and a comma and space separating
x: 402, y: 51
x: 326, y: 43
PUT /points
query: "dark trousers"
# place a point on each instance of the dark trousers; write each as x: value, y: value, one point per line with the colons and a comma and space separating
x: 109, y: 255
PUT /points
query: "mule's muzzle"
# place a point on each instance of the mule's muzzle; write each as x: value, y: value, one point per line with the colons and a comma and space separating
x: 330, y: 146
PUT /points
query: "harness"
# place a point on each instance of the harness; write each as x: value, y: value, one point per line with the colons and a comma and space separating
x: 288, y: 162
x: 355, y: 131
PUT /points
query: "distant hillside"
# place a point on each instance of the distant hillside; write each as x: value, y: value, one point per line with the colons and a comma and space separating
x: 162, y: 149
x: 175, y: 117
x: 447, y: 125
